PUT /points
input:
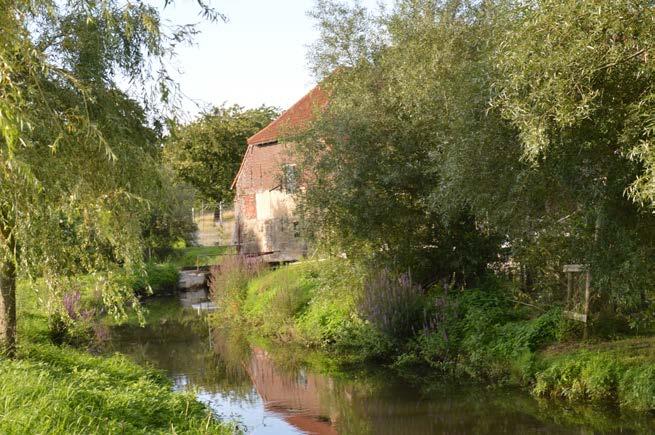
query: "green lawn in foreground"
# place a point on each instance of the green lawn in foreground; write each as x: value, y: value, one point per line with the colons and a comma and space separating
x: 62, y: 390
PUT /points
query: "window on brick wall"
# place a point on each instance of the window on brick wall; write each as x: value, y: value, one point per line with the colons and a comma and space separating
x: 289, y: 178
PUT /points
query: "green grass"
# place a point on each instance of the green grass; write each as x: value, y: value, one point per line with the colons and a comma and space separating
x: 477, y: 333
x: 275, y: 299
x: 312, y: 303
x: 49, y: 389
x: 621, y: 371
x: 62, y: 390
x: 198, y: 255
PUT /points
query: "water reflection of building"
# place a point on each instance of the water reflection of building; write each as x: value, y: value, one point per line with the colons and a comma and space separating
x: 296, y: 397
x: 249, y: 387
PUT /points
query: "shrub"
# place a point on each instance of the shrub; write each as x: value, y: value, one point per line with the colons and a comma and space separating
x: 432, y: 348
x: 481, y: 332
x: 72, y: 323
x: 158, y: 279
x: 393, y: 304
x: 229, y: 282
x: 599, y: 377
x: 437, y: 343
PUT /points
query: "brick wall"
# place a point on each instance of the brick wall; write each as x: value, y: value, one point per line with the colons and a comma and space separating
x: 262, y: 168
x: 249, y: 205
x: 261, y: 173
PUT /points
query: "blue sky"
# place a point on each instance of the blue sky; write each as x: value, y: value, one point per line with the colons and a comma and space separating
x: 257, y: 57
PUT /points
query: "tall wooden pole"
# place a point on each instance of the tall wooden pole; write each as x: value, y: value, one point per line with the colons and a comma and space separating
x: 587, y: 298
x: 569, y: 289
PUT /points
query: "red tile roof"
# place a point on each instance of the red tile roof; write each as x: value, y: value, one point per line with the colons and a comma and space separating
x: 296, y: 116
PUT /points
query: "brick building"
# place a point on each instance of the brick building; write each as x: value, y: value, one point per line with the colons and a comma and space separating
x: 264, y: 205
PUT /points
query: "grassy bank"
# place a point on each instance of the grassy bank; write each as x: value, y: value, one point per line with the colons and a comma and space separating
x: 621, y: 371
x: 60, y: 389
x: 479, y: 333
x: 192, y: 256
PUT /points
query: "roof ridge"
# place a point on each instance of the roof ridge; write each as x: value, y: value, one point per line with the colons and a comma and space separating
x: 270, y: 133
x: 295, y: 114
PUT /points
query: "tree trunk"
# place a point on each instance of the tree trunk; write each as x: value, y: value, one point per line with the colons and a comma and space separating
x: 7, y: 308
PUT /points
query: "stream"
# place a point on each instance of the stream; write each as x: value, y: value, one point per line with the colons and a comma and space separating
x: 272, y: 390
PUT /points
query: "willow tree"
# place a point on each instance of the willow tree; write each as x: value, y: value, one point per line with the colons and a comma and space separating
x: 453, y: 120
x: 76, y: 155
x: 577, y: 80
x: 408, y: 93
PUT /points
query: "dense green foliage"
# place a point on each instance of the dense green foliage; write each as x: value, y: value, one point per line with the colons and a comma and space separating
x: 158, y: 279
x: 600, y: 377
x: 478, y: 333
x: 206, y: 153
x: 79, y: 154
x: 192, y: 256
x: 169, y: 220
x: 312, y: 303
x: 412, y: 106
x: 468, y: 137
x: 587, y: 86
x: 579, y: 100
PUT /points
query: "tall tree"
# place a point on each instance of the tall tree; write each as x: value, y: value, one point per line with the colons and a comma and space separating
x: 76, y: 156
x: 452, y: 121
x: 402, y: 98
x: 577, y: 79
x: 207, y: 152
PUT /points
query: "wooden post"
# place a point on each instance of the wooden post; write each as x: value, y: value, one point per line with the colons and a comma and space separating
x: 570, y: 269
x: 587, y: 298
x: 569, y: 289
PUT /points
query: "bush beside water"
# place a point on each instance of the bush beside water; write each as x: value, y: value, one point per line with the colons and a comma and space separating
x: 599, y: 376
x: 80, y: 319
x: 481, y: 333
x: 158, y: 279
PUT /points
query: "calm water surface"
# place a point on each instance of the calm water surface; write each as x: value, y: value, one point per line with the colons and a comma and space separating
x: 273, y: 392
